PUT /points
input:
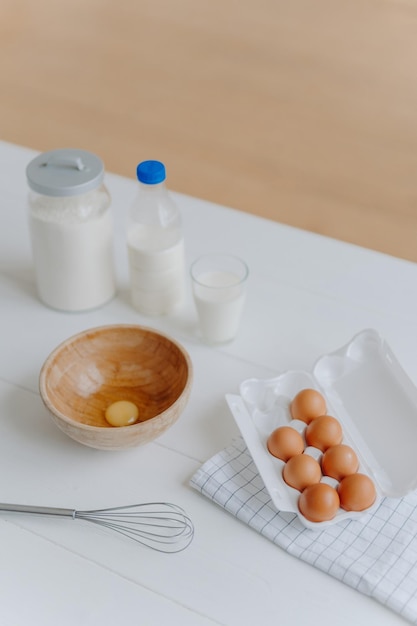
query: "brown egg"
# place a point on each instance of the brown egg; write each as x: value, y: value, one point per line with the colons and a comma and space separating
x: 323, y: 432
x: 339, y: 461
x: 301, y: 470
x: 356, y: 492
x: 319, y: 502
x: 284, y: 442
x: 307, y: 404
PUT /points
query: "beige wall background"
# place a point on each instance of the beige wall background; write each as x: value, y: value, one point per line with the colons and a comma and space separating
x: 302, y: 111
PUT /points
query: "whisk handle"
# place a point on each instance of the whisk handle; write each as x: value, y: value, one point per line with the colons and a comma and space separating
x: 39, y: 510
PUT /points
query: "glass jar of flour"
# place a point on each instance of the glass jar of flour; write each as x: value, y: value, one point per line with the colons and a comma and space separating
x: 71, y: 230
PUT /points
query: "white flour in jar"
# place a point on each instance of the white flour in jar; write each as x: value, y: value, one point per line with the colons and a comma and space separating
x: 72, y: 249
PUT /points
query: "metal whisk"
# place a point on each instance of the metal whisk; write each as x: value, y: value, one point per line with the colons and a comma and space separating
x: 162, y: 526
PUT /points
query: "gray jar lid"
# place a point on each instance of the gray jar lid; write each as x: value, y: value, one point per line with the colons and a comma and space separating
x: 66, y: 172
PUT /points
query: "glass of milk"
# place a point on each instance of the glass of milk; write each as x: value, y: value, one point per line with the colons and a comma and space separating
x: 219, y: 286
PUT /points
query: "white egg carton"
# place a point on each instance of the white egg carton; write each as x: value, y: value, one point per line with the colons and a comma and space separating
x: 370, y: 394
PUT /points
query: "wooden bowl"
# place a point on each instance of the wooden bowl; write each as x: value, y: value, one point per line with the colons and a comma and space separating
x: 90, y: 371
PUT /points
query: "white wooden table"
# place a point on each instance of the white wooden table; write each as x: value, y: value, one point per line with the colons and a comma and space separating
x: 307, y: 295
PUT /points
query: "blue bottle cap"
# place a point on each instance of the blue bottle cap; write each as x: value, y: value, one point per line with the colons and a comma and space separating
x: 151, y: 172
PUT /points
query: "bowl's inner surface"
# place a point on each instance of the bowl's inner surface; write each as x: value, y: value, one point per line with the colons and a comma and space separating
x: 105, y: 365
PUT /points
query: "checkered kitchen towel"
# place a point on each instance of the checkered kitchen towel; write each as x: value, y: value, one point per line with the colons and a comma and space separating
x: 377, y: 555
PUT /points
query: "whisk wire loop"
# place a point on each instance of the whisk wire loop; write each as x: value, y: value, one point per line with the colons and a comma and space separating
x: 162, y: 526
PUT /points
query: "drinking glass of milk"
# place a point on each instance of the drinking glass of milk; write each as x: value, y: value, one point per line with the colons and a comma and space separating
x: 219, y: 286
